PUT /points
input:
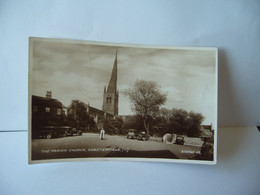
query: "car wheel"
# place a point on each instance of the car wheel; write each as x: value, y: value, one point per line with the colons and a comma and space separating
x: 49, y: 136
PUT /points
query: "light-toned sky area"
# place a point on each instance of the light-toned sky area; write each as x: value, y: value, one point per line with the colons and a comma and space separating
x: 80, y: 71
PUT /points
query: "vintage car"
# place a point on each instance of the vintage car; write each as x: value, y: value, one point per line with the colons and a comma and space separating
x: 53, y: 131
x: 142, y: 136
x: 131, y: 134
x: 50, y: 132
x: 179, y: 140
x: 74, y: 131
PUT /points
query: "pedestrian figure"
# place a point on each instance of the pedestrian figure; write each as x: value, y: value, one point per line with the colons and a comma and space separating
x: 164, y: 138
x: 102, y: 134
x: 206, y: 150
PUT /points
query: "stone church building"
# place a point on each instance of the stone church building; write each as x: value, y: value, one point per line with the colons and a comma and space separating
x: 44, y: 107
x: 110, y: 100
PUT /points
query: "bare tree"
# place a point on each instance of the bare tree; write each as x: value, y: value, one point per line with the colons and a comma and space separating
x: 146, y: 98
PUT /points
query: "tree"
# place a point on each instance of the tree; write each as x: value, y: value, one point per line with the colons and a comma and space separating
x: 183, y: 122
x: 178, y: 122
x: 113, y: 126
x: 159, y: 126
x: 78, y: 116
x: 146, y: 98
x: 133, y: 122
x: 195, y: 124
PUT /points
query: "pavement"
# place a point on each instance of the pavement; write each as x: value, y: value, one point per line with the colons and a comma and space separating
x: 90, y: 145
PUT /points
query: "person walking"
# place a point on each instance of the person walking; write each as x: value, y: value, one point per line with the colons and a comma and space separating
x: 102, y: 134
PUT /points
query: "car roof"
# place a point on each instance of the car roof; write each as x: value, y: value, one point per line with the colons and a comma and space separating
x: 131, y: 130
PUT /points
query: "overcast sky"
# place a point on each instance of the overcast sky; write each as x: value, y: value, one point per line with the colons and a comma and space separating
x: 80, y: 71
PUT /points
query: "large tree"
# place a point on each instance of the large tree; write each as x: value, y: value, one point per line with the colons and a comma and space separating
x: 146, y: 98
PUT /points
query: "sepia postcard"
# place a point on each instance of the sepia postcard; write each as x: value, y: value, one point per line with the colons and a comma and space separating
x: 112, y: 101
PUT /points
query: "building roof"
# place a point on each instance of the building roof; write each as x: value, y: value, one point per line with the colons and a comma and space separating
x: 96, y: 110
x: 46, y: 101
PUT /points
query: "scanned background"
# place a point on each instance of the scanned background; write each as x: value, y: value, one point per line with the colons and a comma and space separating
x: 232, y: 26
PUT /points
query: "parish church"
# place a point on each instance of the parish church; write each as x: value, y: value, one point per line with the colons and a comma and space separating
x: 110, y: 100
x: 110, y: 96
x: 44, y: 107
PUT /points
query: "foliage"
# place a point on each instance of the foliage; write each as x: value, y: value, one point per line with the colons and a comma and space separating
x: 113, y: 126
x: 129, y: 123
x: 183, y: 122
x: 195, y: 120
x: 159, y: 126
x: 179, y: 121
x: 78, y: 116
x: 146, y: 98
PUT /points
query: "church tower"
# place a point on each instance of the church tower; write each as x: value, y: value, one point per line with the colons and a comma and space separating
x: 110, y: 97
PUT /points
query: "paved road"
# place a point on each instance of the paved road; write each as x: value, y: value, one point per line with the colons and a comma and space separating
x: 90, y: 145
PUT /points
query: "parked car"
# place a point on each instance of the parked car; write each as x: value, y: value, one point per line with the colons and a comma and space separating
x: 52, y: 131
x: 74, y: 131
x: 179, y: 140
x: 131, y: 134
x: 142, y: 136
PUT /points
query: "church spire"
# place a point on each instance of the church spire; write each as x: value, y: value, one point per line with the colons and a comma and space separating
x: 112, y: 86
x: 110, y: 97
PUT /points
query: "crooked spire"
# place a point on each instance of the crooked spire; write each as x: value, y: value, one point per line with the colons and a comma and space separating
x: 112, y: 86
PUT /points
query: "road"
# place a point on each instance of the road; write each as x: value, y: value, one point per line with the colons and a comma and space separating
x: 90, y: 145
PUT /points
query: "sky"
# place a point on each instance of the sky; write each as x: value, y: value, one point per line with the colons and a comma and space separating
x: 76, y: 70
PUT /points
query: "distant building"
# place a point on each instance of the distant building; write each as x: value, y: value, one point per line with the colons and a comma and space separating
x: 98, y: 115
x: 206, y: 132
x: 207, y: 127
x: 127, y: 118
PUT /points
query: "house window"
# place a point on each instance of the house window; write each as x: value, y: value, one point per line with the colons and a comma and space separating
x: 58, y: 111
x: 47, y: 109
x: 35, y: 108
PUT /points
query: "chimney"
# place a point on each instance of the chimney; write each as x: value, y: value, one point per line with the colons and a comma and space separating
x: 48, y: 94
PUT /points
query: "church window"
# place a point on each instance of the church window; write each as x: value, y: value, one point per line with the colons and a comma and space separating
x: 109, y: 100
